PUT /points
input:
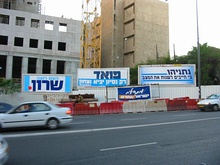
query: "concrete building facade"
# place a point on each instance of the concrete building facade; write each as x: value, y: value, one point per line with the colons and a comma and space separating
x: 31, y: 6
x: 133, y: 31
x: 35, y: 43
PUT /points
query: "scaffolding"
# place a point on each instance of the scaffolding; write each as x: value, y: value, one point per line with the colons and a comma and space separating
x: 90, y: 52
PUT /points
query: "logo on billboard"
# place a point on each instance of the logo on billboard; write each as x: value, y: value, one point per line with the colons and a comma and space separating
x: 134, y: 93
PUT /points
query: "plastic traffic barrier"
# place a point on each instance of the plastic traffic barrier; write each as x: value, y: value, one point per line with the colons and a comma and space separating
x: 134, y: 107
x: 171, y: 105
x: 156, y: 106
x: 86, y: 109
x: 180, y: 104
x: 192, y: 104
x: 181, y: 98
x: 166, y: 99
x: 69, y: 105
x: 110, y: 108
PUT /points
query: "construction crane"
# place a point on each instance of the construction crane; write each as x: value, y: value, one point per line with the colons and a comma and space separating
x: 90, y: 52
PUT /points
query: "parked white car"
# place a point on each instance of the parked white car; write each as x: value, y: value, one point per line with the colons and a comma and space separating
x: 3, y: 150
x: 38, y: 113
x: 212, y: 102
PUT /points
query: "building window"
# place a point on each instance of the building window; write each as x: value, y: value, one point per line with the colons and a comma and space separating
x: 16, y: 67
x: 46, y: 66
x: 4, y: 19
x: 35, y: 23
x: 48, y: 44
x: 18, y: 41
x: 49, y: 25
x: 62, y: 46
x: 62, y: 27
x: 20, y: 21
x: 6, y: 5
x: 3, y: 61
x: 60, y: 67
x: 3, y: 40
x: 29, y: 3
x: 32, y: 64
x: 33, y: 43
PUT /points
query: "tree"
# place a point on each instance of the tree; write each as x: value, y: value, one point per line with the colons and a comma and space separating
x: 210, y: 58
x: 9, y: 86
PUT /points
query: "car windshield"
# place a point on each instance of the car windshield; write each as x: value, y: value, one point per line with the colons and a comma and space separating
x: 214, y: 96
x: 4, y: 107
x: 11, y: 110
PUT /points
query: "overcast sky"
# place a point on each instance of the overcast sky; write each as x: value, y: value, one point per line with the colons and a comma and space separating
x: 182, y: 21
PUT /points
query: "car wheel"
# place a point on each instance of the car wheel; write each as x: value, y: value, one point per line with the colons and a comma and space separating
x: 52, y: 124
x: 215, y: 107
x: 202, y: 110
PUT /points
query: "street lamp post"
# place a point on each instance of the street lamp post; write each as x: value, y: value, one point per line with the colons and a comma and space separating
x: 198, y: 51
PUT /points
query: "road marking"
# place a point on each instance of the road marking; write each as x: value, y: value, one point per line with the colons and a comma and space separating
x: 186, y: 114
x: 108, y: 129
x: 130, y: 146
x: 133, y: 119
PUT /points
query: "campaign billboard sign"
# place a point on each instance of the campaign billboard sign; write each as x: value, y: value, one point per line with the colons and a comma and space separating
x: 45, y: 83
x: 134, y: 93
x: 103, y: 77
x: 181, y: 74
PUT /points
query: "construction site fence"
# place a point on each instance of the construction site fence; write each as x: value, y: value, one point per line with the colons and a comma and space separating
x: 110, y: 94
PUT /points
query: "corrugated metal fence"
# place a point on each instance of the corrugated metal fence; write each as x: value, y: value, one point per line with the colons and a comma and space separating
x: 109, y: 94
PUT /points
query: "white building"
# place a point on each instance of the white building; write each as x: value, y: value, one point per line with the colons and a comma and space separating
x: 35, y: 43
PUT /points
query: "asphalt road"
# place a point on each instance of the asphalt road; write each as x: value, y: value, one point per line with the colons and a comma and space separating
x: 153, y: 138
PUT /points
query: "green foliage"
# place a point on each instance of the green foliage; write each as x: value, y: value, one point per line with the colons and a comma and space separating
x: 134, y: 75
x: 209, y: 62
x: 9, y: 86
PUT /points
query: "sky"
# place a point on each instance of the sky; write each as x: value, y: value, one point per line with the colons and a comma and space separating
x: 182, y: 21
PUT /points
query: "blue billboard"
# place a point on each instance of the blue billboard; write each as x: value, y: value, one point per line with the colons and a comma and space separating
x: 134, y: 93
x: 46, y: 83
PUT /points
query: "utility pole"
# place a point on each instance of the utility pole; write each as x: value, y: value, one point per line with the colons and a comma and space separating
x: 198, y: 51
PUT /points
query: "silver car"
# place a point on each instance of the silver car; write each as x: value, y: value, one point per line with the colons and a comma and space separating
x: 3, y: 150
x: 212, y: 102
x: 37, y: 113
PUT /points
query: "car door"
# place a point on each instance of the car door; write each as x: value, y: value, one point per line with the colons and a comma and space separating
x: 39, y: 113
x: 16, y: 118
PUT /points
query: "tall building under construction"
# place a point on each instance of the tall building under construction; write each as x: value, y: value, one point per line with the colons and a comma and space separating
x: 133, y: 31
x: 36, y: 44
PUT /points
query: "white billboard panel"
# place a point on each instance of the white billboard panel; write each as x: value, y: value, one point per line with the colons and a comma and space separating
x: 167, y: 74
x: 103, y: 77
